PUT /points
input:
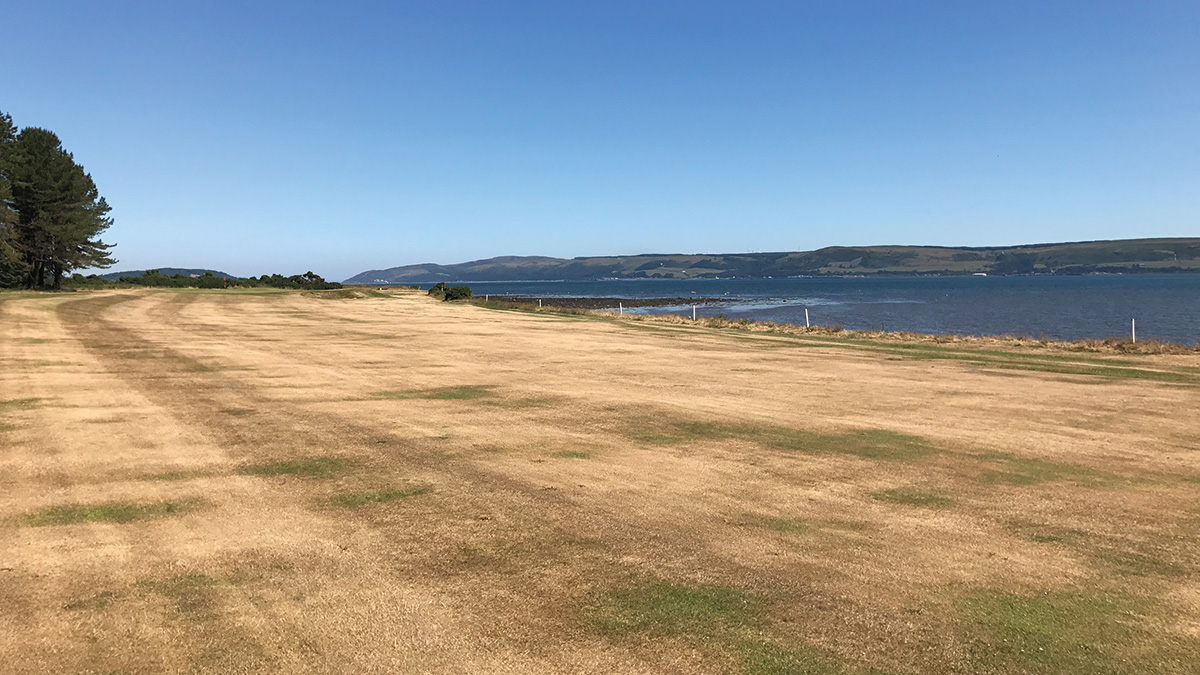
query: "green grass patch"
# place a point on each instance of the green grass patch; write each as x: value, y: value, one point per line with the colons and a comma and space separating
x: 913, y: 496
x: 572, y: 454
x: 357, y: 499
x: 675, y: 432
x: 313, y: 467
x: 1014, y: 470
x: 813, y: 526
x: 881, y: 444
x: 1061, y: 633
x: 459, y: 393
x: 18, y: 403
x: 111, y: 512
x: 667, y: 608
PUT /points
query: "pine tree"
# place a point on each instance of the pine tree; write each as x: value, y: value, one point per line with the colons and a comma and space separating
x: 11, y: 268
x: 60, y: 212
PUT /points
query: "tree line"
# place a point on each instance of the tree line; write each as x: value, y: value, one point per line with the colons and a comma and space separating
x: 51, y: 214
x: 307, y: 281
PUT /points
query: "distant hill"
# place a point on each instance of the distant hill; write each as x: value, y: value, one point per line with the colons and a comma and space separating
x: 1115, y: 256
x: 165, y: 271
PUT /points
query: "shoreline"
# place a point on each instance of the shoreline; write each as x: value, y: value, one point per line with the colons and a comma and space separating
x: 595, y: 307
x: 603, y: 303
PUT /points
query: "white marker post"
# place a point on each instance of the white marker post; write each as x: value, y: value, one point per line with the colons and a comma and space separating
x: 693, y: 312
x: 539, y: 302
x: 620, y: 308
x: 806, y: 318
x: 1133, y: 329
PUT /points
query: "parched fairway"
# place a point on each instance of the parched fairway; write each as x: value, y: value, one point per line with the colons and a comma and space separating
x: 287, y: 482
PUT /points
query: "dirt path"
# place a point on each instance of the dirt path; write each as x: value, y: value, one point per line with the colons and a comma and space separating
x: 284, y: 482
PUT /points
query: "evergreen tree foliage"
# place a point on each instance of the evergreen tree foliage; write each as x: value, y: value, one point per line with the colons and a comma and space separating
x: 12, y: 270
x: 59, y: 213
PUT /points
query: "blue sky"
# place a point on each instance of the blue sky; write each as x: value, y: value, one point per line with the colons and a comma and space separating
x: 339, y: 137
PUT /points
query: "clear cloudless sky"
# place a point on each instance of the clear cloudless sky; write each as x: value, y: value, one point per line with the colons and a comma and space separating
x: 284, y: 136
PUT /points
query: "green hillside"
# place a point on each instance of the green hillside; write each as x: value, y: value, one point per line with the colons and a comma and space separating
x: 1118, y: 256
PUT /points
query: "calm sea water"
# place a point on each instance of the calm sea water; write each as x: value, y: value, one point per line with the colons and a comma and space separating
x: 1166, y: 306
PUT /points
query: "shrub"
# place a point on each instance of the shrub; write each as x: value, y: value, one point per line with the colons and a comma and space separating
x: 458, y: 293
x: 443, y: 292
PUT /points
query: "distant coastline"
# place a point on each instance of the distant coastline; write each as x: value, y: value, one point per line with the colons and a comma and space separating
x: 1125, y: 256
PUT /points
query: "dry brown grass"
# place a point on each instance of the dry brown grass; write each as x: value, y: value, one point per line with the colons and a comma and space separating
x: 510, y: 491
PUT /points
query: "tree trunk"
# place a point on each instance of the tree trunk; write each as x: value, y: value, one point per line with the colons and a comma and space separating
x: 35, y: 274
x: 56, y: 268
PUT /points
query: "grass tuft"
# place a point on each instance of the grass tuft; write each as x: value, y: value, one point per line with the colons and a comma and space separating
x: 357, y: 499
x: 572, y: 454
x: 912, y: 496
x: 315, y: 467
x: 111, y: 512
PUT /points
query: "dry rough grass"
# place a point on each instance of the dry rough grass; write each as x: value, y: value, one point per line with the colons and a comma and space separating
x: 378, y: 482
